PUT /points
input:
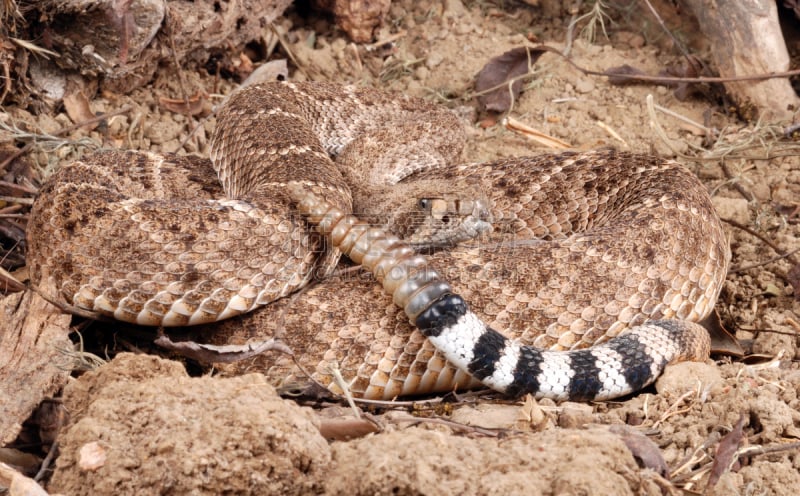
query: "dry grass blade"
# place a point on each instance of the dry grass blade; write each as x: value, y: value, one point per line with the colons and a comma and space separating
x: 760, y: 136
x: 394, y: 69
x: 47, y: 142
x: 456, y: 426
x: 277, y: 32
x: 9, y: 284
x: 532, y: 134
x: 611, y: 132
x: 18, y: 188
x: 673, y: 409
x: 701, y: 129
x: 699, y: 455
x: 35, y: 48
x: 765, y: 450
x: 9, y: 15
x: 14, y: 199
x: 79, y: 359
x: 794, y: 279
x: 345, y: 387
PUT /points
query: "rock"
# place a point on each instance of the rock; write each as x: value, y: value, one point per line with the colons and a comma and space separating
x: 574, y: 415
x: 162, y: 131
x: 160, y: 431
x: 735, y: 209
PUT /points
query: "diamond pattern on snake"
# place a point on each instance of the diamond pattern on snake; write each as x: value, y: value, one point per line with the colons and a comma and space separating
x: 573, y: 275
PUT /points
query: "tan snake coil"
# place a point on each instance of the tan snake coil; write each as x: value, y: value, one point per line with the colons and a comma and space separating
x: 584, y: 244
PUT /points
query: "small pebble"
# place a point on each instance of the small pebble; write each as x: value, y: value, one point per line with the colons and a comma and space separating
x: 433, y: 60
x: 584, y: 85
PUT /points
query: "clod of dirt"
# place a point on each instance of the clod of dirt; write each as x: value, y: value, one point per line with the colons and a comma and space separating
x: 682, y: 377
x: 419, y: 461
x: 161, y: 431
x: 736, y: 209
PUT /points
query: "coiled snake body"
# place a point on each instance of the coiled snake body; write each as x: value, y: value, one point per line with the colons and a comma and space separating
x: 583, y: 246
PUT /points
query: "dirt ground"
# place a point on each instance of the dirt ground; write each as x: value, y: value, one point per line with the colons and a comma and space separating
x: 141, y: 425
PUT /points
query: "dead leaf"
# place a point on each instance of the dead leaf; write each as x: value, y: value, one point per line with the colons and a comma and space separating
x: 691, y: 67
x: 493, y: 80
x: 77, y: 106
x: 346, y: 428
x: 530, y: 416
x: 621, y: 75
x: 726, y: 451
x: 186, y: 106
x: 723, y: 342
x: 644, y: 451
x: 208, y: 353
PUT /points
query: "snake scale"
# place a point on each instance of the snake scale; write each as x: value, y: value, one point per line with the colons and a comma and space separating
x: 594, y: 265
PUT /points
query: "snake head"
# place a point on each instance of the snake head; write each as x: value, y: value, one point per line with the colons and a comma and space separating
x: 427, y: 213
x: 439, y: 213
x: 448, y: 219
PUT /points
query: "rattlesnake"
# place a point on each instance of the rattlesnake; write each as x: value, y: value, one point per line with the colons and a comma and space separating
x: 584, y: 246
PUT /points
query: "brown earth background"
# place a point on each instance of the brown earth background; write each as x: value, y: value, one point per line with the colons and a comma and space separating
x: 141, y: 424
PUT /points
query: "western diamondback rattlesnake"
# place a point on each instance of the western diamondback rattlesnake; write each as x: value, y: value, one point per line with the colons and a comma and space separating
x: 585, y: 245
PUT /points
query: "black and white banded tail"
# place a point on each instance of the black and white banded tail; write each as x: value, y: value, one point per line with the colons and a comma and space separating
x: 618, y: 367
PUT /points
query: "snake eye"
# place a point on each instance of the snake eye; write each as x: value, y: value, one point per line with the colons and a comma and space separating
x: 424, y: 204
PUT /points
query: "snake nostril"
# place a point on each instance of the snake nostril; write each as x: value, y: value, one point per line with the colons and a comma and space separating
x: 446, y: 219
